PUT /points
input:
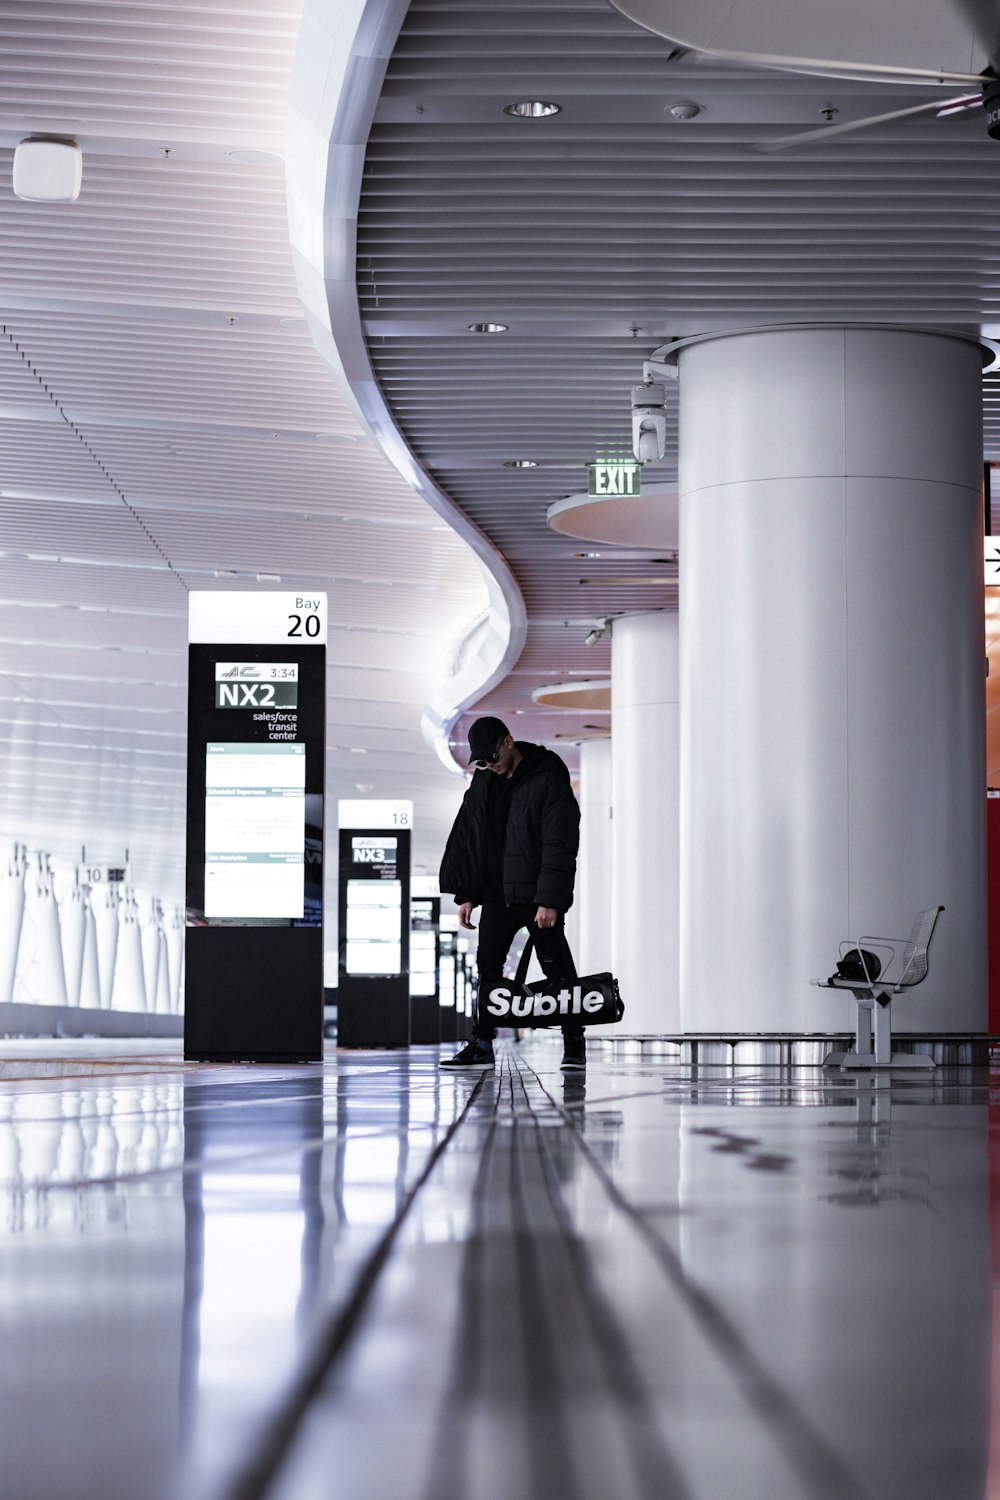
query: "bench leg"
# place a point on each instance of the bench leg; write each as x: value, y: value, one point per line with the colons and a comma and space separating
x: 883, y: 1035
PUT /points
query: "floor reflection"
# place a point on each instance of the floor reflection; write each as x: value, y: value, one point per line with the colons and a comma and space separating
x: 643, y: 1280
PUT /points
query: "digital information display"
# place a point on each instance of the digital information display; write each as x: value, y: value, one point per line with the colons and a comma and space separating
x: 373, y: 918
x: 256, y: 684
x: 423, y: 949
x: 255, y: 798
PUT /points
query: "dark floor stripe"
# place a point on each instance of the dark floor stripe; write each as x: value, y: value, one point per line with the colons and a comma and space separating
x: 450, y: 1458
x: 657, y: 1471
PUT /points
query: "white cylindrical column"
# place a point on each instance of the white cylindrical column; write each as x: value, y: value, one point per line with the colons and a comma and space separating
x: 645, y: 750
x: 832, y: 670
x: 594, y: 883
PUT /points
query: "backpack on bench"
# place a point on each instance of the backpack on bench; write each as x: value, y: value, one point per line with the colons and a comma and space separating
x: 860, y: 965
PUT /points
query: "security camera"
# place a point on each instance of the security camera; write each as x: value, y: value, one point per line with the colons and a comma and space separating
x: 649, y: 422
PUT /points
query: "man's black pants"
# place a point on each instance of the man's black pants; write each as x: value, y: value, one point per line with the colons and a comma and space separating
x: 499, y: 924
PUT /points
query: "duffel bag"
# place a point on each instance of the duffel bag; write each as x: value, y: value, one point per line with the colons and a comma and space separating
x: 584, y: 1000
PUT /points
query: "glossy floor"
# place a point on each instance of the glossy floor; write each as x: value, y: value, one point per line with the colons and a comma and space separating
x: 373, y: 1280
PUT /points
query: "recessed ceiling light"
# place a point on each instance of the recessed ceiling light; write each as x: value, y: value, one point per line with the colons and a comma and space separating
x: 520, y: 463
x: 292, y: 322
x: 486, y: 327
x: 248, y: 156
x: 686, y: 110
x: 637, y: 582
x: 531, y: 109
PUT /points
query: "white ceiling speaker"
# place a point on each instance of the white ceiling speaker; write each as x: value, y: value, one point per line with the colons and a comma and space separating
x: 47, y: 171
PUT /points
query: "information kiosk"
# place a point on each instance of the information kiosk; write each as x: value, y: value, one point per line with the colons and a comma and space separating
x: 448, y: 976
x: 256, y: 725
x: 373, y: 991
x: 425, y: 1012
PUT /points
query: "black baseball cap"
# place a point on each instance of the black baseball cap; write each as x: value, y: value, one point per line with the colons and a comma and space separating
x: 484, y: 736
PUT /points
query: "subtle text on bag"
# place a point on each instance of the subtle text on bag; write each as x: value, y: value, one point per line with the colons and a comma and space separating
x: 568, y: 1002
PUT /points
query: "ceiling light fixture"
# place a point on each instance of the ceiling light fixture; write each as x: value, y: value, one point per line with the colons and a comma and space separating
x: 520, y: 463
x: 642, y: 583
x: 686, y: 110
x: 531, y: 109
x: 47, y: 170
x: 486, y: 327
x: 249, y: 156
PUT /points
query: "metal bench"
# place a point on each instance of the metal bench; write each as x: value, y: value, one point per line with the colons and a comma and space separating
x: 904, y: 964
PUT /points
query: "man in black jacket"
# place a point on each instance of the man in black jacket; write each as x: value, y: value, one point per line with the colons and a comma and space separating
x: 512, y: 851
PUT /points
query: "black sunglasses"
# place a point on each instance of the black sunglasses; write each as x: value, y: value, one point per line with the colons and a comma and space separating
x: 490, y: 760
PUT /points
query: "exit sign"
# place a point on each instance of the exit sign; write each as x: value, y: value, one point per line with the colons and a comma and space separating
x: 613, y: 478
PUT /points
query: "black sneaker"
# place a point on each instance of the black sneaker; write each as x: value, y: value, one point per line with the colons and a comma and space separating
x: 574, y: 1052
x: 474, y: 1054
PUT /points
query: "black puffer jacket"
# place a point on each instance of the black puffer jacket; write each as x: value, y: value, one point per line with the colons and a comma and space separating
x: 543, y: 835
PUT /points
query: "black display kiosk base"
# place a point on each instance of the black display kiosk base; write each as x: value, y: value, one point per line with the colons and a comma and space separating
x: 425, y: 1019
x: 254, y: 994
x: 373, y: 1012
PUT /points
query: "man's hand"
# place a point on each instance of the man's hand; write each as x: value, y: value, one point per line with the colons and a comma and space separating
x: 465, y: 916
x: 545, y: 916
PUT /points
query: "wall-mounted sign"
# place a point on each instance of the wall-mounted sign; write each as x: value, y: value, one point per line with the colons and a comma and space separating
x: 622, y: 478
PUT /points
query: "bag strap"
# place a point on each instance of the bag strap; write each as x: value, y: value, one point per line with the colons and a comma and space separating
x: 529, y: 948
x: 568, y: 959
x: 524, y: 961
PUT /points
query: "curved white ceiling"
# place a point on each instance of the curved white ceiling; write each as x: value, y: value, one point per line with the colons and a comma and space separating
x: 340, y: 65
x: 166, y: 424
